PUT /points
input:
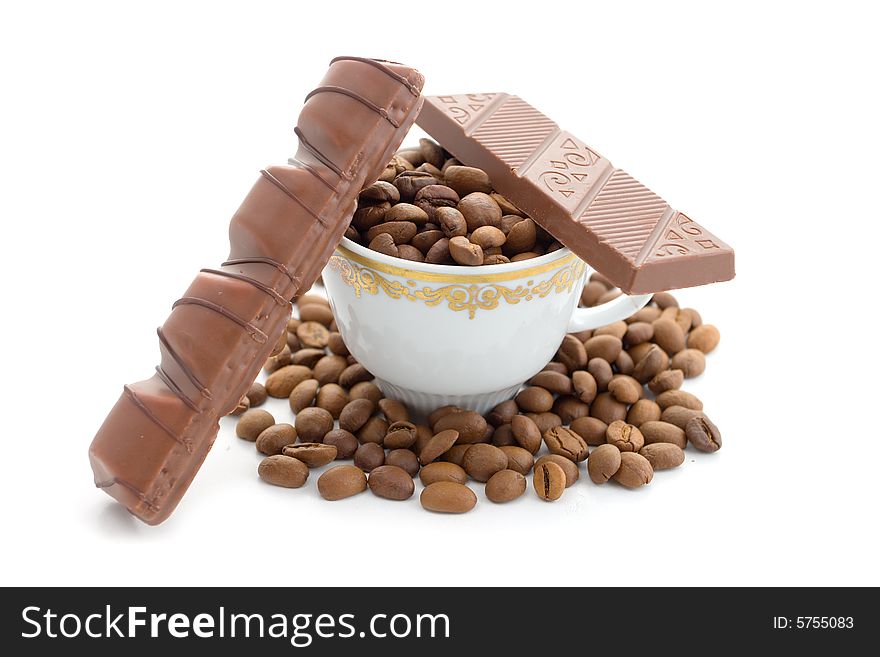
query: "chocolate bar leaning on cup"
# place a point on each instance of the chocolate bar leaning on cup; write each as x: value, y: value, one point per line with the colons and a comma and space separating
x: 619, y: 226
x: 223, y: 328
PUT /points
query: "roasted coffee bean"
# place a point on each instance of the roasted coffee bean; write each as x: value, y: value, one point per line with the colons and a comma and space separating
x: 466, y: 180
x: 601, y: 372
x: 409, y: 183
x: 480, y: 209
x: 639, y: 351
x: 503, y: 413
x: 624, y: 363
x: 506, y: 206
x: 663, y: 456
x: 663, y: 432
x: 679, y: 415
x: 355, y: 414
x: 664, y: 300
x: 313, y: 455
x: 405, y: 459
x: 342, y: 481
x: 437, y: 414
x: 624, y: 437
x: 410, y: 253
x: 354, y: 374
x: 252, y: 423
x: 391, y: 482
x: 455, y: 454
x: 668, y: 336
x: 431, y: 152
x: 584, y: 385
x: 518, y: 459
x: 470, y: 426
x: 336, y: 344
x: 363, y: 390
x: 692, y: 362
x: 702, y: 433
x: 243, y: 404
x: 526, y: 433
x: 344, y: 441
x: 638, y: 333
x: 572, y: 353
x: 369, y: 214
x: 591, y: 294
x: 489, y: 434
x: 549, y: 481
x: 451, y: 222
x: 442, y: 471
x: 666, y: 380
x: 400, y: 435
x: 647, y: 314
x: 505, y: 486
x: 384, y: 243
x: 679, y: 398
x: 565, y: 442
x: 439, y: 253
x: 308, y: 357
x: 448, y: 497
x: 425, y: 240
x: 369, y: 456
x: 495, y: 259
x: 465, y: 253
x: 412, y: 155
x: 439, y: 443
x: 395, y: 167
x: 282, y: 382
x: 482, y: 461
x: 271, y: 441
x: 528, y: 255
x: 696, y: 319
x: 545, y: 421
x: 312, y: 424
x: 591, y: 429
x: 569, y: 467
x: 610, y: 295
x: 704, y: 338
x: 603, y: 463
x: 435, y: 196
x: 625, y: 389
x: 555, y: 366
x: 284, y: 471
x: 257, y: 394
x: 644, y: 410
x: 569, y: 408
x: 488, y: 237
x: 616, y: 329
x: 332, y: 398
x: 423, y: 435
x: 401, y: 232
x: 651, y: 364
x: 393, y: 410
x: 552, y: 381
x: 503, y: 436
x: 521, y: 237
x: 313, y: 334
x: 406, y: 213
x: 303, y: 395
x: 380, y: 192
x: 373, y: 431
x: 635, y: 470
x: 608, y: 409
x: 315, y: 312
x: 293, y: 344
x: 606, y: 347
x: 534, y: 399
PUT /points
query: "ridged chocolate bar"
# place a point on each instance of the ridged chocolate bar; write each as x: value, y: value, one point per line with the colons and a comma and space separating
x: 619, y: 226
x: 223, y: 328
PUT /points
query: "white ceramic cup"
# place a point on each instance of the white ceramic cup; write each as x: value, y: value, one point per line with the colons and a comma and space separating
x: 438, y: 334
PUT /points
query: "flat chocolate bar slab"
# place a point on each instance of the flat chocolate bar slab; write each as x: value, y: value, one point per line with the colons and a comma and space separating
x: 225, y: 325
x: 609, y: 219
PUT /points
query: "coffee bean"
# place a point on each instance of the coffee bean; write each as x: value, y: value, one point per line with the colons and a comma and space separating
x: 257, y: 394
x: 332, y: 398
x: 380, y: 192
x: 572, y: 353
x: 534, y: 399
x: 342, y: 481
x: 369, y: 456
x: 584, y: 385
x: 455, y: 454
x: 412, y: 155
x: 506, y: 206
x: 384, y: 243
x: 410, y: 253
x: 438, y: 444
x: 528, y: 255
x: 303, y: 395
x: 644, y: 410
x: 591, y: 429
x: 364, y: 390
x: 601, y: 372
x: 606, y: 347
x: 503, y: 413
x: 252, y: 423
x: 624, y: 363
x: 368, y: 214
x: 611, y: 295
x: 545, y: 421
x: 391, y: 482
x: 470, y: 426
x: 313, y: 334
x: 435, y: 416
x: 624, y: 437
x: 553, y: 381
x: 616, y: 329
x: 679, y: 415
x: 603, y: 463
x: 482, y: 461
x: 404, y: 459
x: 565, y: 442
x: 569, y: 467
x: 549, y: 481
x: 344, y: 441
x: 395, y: 167
x: 393, y: 410
x: 355, y: 414
x: 316, y: 312
x: 702, y: 433
x: 638, y: 333
x: 408, y: 216
x: 282, y: 382
x: 625, y: 389
x: 692, y: 362
x: 314, y: 455
x: 651, y: 364
x: 488, y: 237
x: 448, y: 497
x: 666, y: 380
x: 569, y: 408
x: 505, y: 486
x: 328, y: 369
x: 439, y: 253
x: 451, y: 222
x: 431, y: 152
x: 663, y: 432
x: 400, y: 435
x: 308, y: 357
x: 521, y: 237
x: 518, y: 459
x: 480, y: 209
x: 503, y: 436
x: 679, y: 398
x: 466, y: 180
x: 608, y: 409
x: 312, y: 424
x: 647, y: 314
x: 336, y: 344
x: 435, y: 196
x: 663, y: 456
x: 704, y: 338
x: 353, y: 375
x: 555, y: 366
x: 526, y: 433
x: 465, y: 253
x: 668, y: 336
x: 408, y: 183
x: 442, y: 471
x: 373, y: 431
x: 272, y: 440
x: 635, y: 470
x: 283, y: 471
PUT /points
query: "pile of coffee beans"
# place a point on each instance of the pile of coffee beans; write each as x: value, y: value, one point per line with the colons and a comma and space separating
x: 611, y: 398
x: 427, y: 207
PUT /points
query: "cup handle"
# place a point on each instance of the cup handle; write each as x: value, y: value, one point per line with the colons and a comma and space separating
x: 607, y: 313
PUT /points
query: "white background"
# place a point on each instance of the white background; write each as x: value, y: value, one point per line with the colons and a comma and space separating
x: 129, y: 137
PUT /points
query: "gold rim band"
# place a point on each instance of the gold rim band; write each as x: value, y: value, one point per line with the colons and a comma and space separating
x: 414, y: 274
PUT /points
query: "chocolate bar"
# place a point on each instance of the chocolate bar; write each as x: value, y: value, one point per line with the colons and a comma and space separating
x: 612, y: 221
x: 223, y: 328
